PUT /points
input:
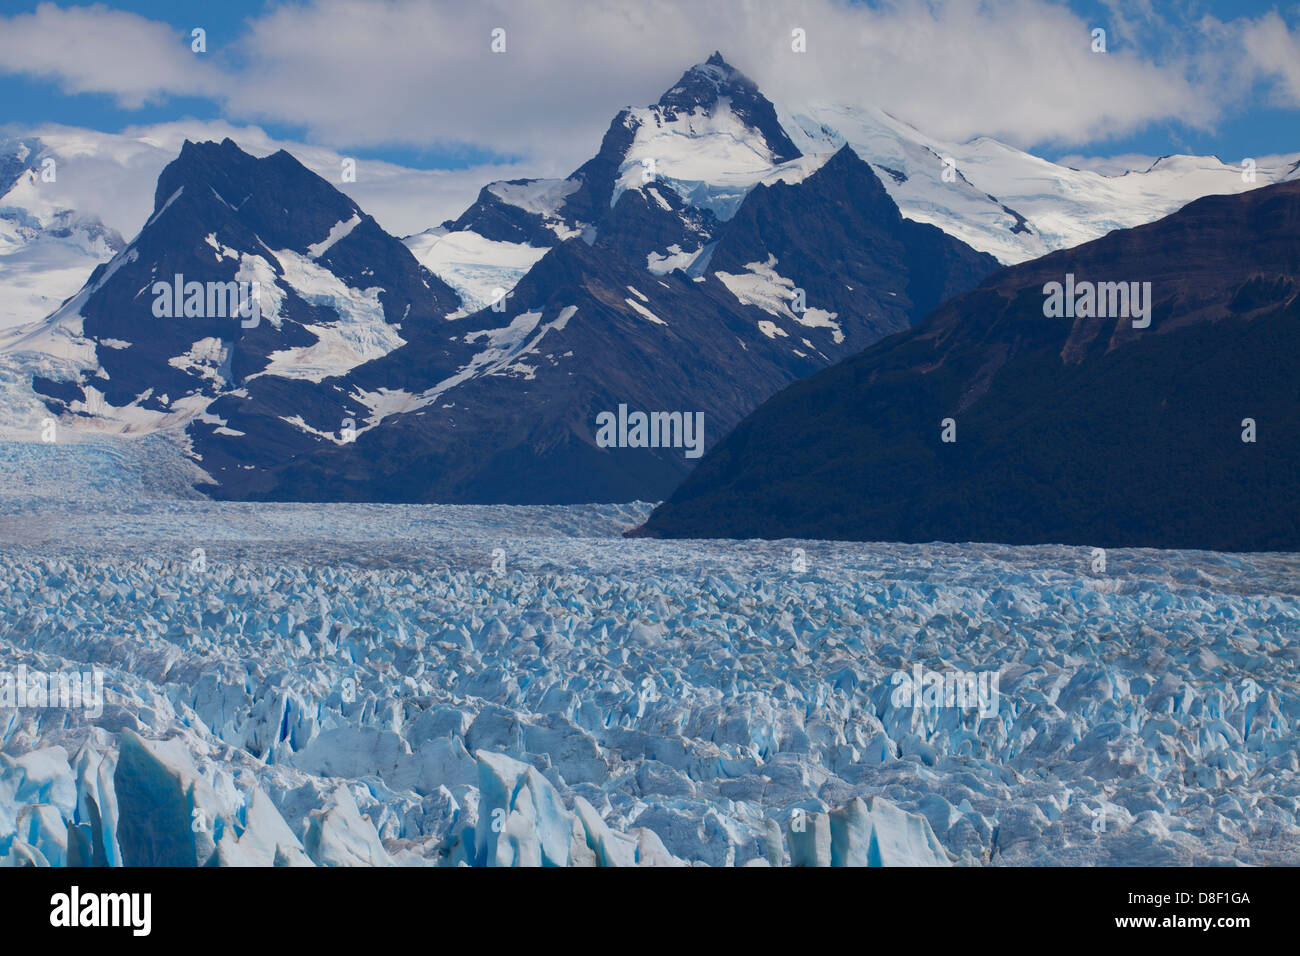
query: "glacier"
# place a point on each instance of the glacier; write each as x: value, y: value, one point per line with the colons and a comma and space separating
x: 365, y: 685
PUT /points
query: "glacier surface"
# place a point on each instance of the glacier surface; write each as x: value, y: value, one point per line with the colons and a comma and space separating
x: 454, y: 685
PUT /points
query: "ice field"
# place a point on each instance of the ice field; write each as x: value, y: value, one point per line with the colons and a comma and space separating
x: 444, y: 685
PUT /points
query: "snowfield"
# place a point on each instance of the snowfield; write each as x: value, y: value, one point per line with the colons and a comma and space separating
x: 359, y: 685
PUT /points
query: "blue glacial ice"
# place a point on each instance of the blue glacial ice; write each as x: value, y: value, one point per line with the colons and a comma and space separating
x: 358, y: 685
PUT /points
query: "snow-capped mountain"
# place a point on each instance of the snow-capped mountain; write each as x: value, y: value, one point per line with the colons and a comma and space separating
x: 73, y: 180
x: 782, y: 281
x: 47, y: 246
x: 247, y: 268
x: 357, y: 387
x: 1009, y: 203
x: 588, y: 331
x: 708, y: 254
x: 1160, y: 413
x: 994, y: 197
x: 1001, y: 200
x: 699, y: 150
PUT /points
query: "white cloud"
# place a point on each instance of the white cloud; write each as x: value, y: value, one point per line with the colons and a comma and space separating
x: 353, y: 73
x: 91, y: 180
x: 1274, y: 51
x: 1016, y: 69
x: 99, y: 50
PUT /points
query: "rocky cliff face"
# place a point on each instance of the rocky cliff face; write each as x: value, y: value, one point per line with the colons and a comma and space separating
x: 683, y: 282
x: 1069, y: 421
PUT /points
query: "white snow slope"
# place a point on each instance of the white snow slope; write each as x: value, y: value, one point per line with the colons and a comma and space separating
x: 1062, y: 207
x: 711, y: 160
x: 474, y: 266
x: 104, y: 186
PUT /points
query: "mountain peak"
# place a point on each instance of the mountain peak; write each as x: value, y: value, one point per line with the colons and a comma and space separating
x: 230, y: 171
x: 846, y: 154
x: 202, y: 163
x: 209, y: 147
x: 221, y: 188
x: 993, y: 356
x: 705, y: 84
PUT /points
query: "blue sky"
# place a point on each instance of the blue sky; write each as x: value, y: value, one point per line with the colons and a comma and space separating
x: 31, y: 99
x: 1255, y: 128
x: 415, y: 84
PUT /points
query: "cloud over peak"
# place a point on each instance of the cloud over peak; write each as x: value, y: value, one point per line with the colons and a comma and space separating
x: 350, y: 73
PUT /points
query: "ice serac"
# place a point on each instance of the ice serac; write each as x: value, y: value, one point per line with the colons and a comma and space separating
x: 41, y: 827
x: 266, y: 839
x: 169, y: 814
x: 37, y: 797
x: 1174, y: 379
x: 158, y: 794
x: 93, y: 827
x: 875, y: 832
x: 870, y: 832
x: 521, y: 819
x: 338, y: 835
